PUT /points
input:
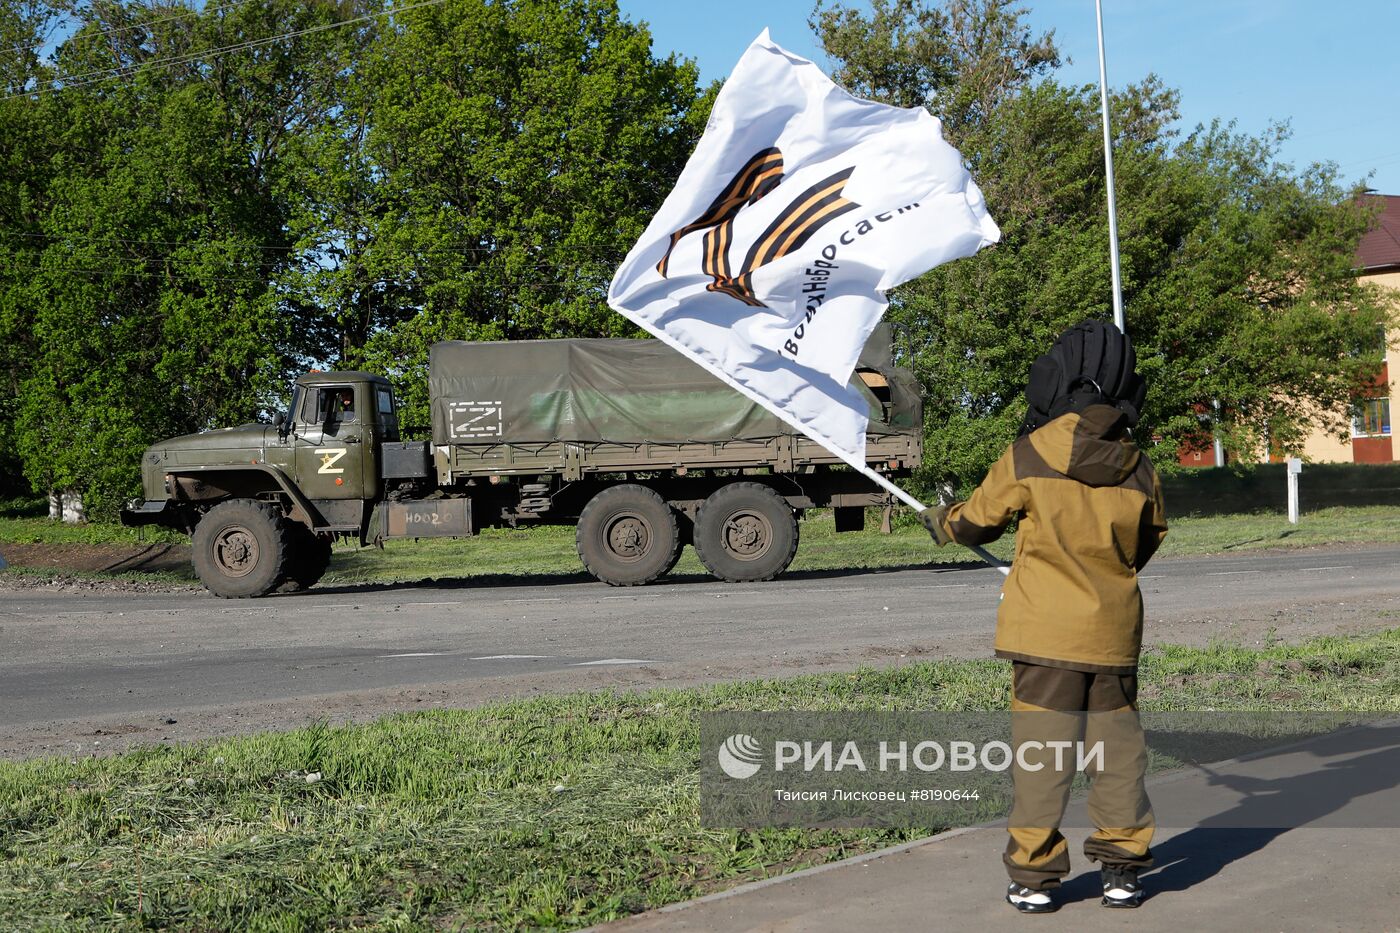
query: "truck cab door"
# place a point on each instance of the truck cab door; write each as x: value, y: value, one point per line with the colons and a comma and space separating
x: 334, y: 456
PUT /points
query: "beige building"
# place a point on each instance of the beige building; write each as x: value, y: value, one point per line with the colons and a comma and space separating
x: 1378, y: 258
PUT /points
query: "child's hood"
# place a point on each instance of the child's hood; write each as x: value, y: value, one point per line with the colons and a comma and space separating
x: 1091, y: 446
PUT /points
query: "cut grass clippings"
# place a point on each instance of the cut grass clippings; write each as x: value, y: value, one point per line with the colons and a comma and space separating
x: 548, y: 812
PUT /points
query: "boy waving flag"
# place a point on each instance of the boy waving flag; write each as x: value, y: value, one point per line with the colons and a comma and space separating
x: 801, y: 206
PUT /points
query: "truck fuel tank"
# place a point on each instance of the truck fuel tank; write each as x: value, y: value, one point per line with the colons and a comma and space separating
x: 427, y: 518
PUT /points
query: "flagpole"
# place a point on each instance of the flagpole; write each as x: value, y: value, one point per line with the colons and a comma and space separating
x: 919, y: 507
x: 1108, y: 169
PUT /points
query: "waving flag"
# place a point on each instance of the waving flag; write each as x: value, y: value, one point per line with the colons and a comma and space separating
x: 800, y: 208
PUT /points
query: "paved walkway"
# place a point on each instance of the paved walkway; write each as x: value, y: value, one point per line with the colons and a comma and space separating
x: 1327, y: 875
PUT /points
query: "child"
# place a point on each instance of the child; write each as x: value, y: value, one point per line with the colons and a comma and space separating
x: 1090, y: 515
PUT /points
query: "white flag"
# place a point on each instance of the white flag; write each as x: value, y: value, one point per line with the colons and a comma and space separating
x: 801, y: 206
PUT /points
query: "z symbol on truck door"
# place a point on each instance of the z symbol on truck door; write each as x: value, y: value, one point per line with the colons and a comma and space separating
x: 329, y: 456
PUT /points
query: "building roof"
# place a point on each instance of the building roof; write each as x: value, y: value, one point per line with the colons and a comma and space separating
x: 1380, y: 248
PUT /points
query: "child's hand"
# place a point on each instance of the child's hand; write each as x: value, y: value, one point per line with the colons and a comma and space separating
x: 932, y: 519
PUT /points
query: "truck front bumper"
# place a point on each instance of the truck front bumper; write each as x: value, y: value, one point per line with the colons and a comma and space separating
x: 139, y: 512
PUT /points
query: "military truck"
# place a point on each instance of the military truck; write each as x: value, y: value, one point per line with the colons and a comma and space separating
x: 640, y: 448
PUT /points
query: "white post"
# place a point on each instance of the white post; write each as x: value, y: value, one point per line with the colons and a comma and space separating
x: 1108, y: 171
x: 1295, y: 467
x: 918, y: 506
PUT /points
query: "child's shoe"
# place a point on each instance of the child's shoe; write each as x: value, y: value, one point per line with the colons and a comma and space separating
x: 1120, y: 887
x: 1028, y: 901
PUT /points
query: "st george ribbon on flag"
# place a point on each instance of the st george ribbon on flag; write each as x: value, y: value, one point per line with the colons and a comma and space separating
x: 801, y: 206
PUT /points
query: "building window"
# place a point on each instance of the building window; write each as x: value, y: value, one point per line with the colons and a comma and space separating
x: 1373, y: 420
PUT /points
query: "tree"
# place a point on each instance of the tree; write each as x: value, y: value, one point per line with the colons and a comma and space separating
x: 197, y: 203
x: 25, y: 167
x: 1236, y: 268
x: 144, y: 302
x: 499, y: 158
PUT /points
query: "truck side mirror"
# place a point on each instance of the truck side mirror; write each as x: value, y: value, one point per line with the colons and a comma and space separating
x: 279, y: 419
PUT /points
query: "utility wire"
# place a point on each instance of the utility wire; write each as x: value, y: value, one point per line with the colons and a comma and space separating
x: 621, y: 246
x: 185, y: 11
x: 254, y: 280
x: 96, y: 77
x: 397, y: 256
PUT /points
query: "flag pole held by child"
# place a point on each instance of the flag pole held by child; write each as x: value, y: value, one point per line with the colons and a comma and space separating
x: 800, y: 208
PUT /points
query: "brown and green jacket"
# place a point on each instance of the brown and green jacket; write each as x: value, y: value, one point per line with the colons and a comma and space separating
x: 1091, y: 515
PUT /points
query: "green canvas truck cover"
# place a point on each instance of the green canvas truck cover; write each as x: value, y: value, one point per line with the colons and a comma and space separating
x: 609, y: 390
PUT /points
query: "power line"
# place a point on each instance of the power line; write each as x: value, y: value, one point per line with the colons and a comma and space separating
x: 623, y: 247
x: 185, y: 11
x: 96, y: 77
x: 398, y: 256
x: 251, y: 280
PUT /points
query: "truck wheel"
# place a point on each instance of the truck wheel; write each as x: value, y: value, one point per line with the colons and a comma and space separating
x: 627, y: 536
x: 240, y: 548
x: 745, y: 532
x: 308, y: 556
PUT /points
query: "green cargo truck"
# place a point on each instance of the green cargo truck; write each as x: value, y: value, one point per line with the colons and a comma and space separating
x: 638, y: 447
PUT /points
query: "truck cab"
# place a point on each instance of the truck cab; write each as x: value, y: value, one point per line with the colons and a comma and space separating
x: 335, y: 427
x: 263, y: 502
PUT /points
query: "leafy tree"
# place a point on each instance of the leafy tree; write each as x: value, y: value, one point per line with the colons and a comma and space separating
x: 495, y: 162
x: 24, y: 171
x: 1237, y: 272
x: 199, y: 202
x: 145, y: 303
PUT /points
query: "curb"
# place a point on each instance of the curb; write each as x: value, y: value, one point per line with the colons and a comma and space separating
x: 1168, y: 777
x: 751, y: 886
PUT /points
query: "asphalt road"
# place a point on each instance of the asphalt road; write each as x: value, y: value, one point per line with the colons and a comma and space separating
x: 118, y: 665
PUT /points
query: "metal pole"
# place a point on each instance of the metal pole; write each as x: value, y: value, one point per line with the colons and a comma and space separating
x: 1295, y: 466
x: 1108, y: 169
x: 918, y: 506
x: 1215, y: 434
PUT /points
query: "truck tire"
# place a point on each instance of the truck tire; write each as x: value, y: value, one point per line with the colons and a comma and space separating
x: 627, y: 536
x: 240, y: 549
x: 308, y: 556
x: 745, y: 532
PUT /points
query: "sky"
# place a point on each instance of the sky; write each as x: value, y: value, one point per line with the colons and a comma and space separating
x: 1327, y: 68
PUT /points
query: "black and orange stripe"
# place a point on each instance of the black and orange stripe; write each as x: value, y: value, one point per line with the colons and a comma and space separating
x: 789, y: 231
x: 758, y: 176
x: 800, y: 219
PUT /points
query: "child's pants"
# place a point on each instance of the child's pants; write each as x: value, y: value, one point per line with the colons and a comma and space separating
x: 1050, y: 704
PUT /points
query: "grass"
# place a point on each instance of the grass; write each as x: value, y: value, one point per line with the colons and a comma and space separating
x: 549, y: 551
x: 550, y: 812
x: 26, y: 521
x: 1373, y: 524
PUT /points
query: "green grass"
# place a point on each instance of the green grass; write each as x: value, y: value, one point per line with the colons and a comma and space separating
x: 1373, y: 524
x: 26, y: 521
x: 555, y: 811
x: 549, y: 551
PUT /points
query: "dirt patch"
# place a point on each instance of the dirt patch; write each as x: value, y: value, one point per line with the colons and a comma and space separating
x: 99, y: 558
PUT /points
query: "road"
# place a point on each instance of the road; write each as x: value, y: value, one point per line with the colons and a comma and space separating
x: 91, y: 671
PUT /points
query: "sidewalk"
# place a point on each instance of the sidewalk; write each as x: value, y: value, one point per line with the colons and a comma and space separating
x: 1326, y: 875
